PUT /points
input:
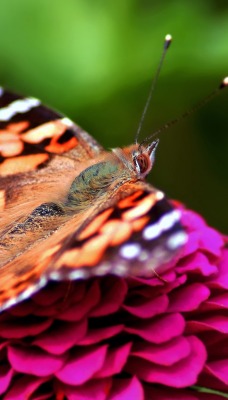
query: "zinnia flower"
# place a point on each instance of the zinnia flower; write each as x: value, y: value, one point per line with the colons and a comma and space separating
x: 111, y: 338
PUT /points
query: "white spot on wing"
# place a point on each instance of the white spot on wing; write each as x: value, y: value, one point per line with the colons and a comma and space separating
x: 18, y: 106
x: 177, y: 240
x: 130, y: 251
x: 67, y: 121
x: 165, y: 223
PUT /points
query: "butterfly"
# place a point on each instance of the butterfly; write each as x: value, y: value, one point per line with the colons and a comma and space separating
x: 71, y: 210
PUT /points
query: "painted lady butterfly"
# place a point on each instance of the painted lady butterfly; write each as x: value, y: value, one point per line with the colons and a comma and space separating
x: 69, y: 209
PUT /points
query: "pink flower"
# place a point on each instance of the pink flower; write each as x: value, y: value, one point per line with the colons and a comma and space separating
x: 111, y: 338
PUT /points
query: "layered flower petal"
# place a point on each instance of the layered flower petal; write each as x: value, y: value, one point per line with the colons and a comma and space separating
x: 111, y: 338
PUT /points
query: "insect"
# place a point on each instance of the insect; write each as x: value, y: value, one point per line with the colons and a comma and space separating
x: 71, y: 210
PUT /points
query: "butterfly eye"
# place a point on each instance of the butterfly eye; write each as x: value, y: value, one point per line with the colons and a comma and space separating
x: 142, y: 163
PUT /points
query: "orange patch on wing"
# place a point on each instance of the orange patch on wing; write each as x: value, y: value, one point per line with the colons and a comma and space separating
x: 51, y: 130
x: 141, y: 209
x: 88, y: 255
x: 129, y: 201
x: 94, y: 225
x: 17, y: 127
x: 44, y: 131
x: 2, y: 200
x: 55, y: 147
x: 22, y: 164
x: 139, y: 224
x: 10, y: 144
x: 118, y: 231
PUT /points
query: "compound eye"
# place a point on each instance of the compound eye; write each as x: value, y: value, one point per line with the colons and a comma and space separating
x: 142, y: 163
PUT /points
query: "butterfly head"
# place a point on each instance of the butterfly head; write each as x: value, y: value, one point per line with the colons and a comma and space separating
x: 138, y: 158
x: 143, y: 158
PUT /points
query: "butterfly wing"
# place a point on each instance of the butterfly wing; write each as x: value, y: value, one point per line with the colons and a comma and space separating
x: 135, y: 232
x: 136, y: 235
x: 37, y: 147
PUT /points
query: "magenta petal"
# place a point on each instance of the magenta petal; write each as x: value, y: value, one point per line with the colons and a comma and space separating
x: 114, y: 361
x: 6, y: 375
x: 164, y: 354
x: 23, y: 309
x: 198, y: 263
x: 217, y: 303
x: 49, y: 295
x: 18, y: 329
x: 93, y: 390
x: 23, y: 388
x: 112, y: 298
x: 192, y: 220
x: 148, y: 308
x: 97, y: 335
x: 161, y: 329
x: 62, y: 336
x: 79, y: 310
x: 217, y: 322
x: 183, y: 373
x: 83, y: 365
x: 188, y: 297
x: 127, y: 389
x: 34, y: 361
x: 153, y: 393
x: 221, y: 280
x: 219, y: 369
x: 211, y: 241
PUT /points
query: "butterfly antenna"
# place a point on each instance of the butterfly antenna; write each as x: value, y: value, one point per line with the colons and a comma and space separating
x: 168, y: 40
x: 222, y: 85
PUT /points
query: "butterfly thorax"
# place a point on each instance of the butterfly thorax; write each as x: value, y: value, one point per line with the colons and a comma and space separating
x: 121, y: 166
x: 94, y: 186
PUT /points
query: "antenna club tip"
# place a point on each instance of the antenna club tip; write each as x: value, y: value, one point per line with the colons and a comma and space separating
x: 224, y: 83
x: 168, y: 40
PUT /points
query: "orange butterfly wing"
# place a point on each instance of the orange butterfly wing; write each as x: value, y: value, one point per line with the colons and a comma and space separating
x: 134, y: 232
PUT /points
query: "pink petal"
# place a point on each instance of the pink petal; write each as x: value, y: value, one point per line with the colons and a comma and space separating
x: 6, y: 375
x: 211, y: 241
x: 49, y: 295
x: 167, y: 393
x: 83, y: 365
x: 216, y: 303
x: 164, y: 354
x: 62, y: 336
x: 79, y: 310
x: 188, y: 297
x: 148, y: 308
x: 114, y: 361
x: 183, y: 373
x: 114, y: 292
x: 192, y: 220
x: 33, y: 361
x: 127, y: 389
x: 217, y: 322
x: 19, y: 328
x: 159, y: 330
x: 197, y: 263
x: 219, y: 369
x: 221, y: 280
x: 23, y: 388
x: 93, y: 390
x: 23, y: 309
x: 99, y: 334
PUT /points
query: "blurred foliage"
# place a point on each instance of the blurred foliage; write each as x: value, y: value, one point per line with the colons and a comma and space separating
x: 94, y: 61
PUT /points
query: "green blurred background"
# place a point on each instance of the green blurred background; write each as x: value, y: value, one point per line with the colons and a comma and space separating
x: 94, y: 61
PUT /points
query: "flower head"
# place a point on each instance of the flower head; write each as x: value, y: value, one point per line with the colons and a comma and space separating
x: 111, y: 338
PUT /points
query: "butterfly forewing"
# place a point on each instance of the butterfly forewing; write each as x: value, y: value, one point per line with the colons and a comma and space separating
x: 130, y: 230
